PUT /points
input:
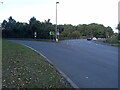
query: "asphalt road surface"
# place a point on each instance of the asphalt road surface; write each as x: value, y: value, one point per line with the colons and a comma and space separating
x: 86, y: 63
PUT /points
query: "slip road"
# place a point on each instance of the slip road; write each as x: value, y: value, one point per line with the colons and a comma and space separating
x: 86, y: 63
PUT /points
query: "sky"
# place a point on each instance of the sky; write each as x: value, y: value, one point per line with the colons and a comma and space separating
x: 69, y: 11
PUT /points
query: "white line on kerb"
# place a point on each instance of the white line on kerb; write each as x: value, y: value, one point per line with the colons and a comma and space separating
x: 63, y: 74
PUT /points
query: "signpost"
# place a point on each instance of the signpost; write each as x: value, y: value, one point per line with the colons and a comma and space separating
x: 58, y: 33
x: 52, y: 34
x: 35, y: 34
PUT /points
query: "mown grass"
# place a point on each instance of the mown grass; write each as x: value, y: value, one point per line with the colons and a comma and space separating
x: 116, y: 44
x: 41, y: 40
x: 23, y: 68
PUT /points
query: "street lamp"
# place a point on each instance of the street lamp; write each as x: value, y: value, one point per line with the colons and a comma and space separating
x: 56, y: 24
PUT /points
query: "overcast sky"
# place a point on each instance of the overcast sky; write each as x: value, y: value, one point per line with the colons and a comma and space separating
x: 69, y: 11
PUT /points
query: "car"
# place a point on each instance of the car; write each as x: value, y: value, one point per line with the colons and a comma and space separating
x: 89, y: 39
x: 94, y: 38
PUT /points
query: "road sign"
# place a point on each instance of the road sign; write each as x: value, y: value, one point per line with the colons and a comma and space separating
x: 58, y: 33
x: 35, y: 34
x: 52, y: 33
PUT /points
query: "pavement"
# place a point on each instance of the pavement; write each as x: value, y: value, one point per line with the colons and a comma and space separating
x: 86, y: 63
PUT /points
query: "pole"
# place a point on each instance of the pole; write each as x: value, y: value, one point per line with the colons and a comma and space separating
x: 35, y: 34
x: 56, y: 24
x: 50, y: 37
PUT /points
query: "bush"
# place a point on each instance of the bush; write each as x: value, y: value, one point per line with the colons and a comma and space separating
x: 113, y: 39
x: 75, y: 35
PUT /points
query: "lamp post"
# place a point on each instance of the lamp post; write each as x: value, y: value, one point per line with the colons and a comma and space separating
x: 56, y: 24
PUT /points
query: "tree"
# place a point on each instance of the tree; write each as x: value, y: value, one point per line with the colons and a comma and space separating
x: 75, y: 35
x: 33, y: 27
x: 118, y: 26
x: 9, y: 27
x: 4, y: 24
x: 15, y: 29
x: 11, y: 20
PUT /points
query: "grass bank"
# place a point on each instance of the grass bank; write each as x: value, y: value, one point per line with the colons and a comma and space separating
x: 116, y: 44
x: 24, y: 68
x: 29, y: 39
x: 114, y: 40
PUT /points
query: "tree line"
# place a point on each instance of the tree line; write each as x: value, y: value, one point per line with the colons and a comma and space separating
x: 13, y: 29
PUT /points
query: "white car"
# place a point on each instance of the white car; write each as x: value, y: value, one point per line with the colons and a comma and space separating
x: 94, y: 38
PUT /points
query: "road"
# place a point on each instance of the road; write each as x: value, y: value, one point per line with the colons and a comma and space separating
x: 86, y: 63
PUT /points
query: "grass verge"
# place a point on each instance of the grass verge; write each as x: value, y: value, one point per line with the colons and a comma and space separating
x: 116, y: 45
x: 28, y: 39
x: 24, y: 68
